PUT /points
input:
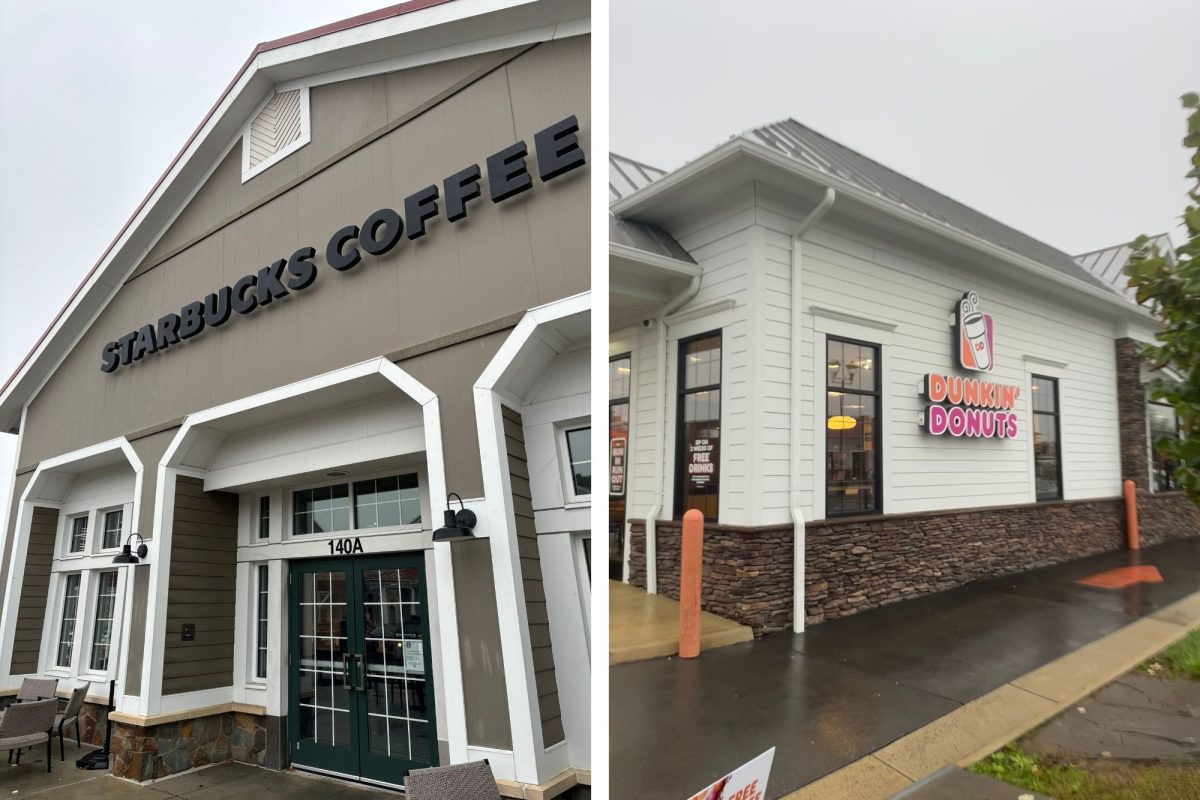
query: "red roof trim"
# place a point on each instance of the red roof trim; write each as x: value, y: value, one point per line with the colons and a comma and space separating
x: 313, y: 33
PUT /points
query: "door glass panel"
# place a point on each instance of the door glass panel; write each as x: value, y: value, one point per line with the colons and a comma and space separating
x: 324, y: 702
x: 395, y: 665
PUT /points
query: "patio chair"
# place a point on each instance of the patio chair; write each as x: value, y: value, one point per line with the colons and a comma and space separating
x: 67, y: 716
x: 34, y: 689
x: 27, y: 724
x: 470, y: 781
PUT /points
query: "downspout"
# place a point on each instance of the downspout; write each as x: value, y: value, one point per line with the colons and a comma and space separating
x: 797, y: 411
x: 660, y: 435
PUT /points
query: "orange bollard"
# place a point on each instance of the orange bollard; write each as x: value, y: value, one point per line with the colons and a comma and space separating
x: 1131, y: 517
x: 689, y: 584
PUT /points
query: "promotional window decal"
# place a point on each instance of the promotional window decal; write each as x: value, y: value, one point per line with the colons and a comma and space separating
x: 747, y: 782
x: 701, y: 464
x: 616, y: 487
x: 976, y: 335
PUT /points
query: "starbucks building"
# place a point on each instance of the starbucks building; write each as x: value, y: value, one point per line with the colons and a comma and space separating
x: 304, y: 463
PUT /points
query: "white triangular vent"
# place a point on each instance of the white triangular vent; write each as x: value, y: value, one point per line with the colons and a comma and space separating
x: 275, y: 127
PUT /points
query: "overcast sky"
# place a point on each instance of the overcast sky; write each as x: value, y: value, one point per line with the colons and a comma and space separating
x: 95, y: 101
x: 1059, y: 118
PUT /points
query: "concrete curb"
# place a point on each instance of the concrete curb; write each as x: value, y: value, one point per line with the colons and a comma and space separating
x: 988, y: 723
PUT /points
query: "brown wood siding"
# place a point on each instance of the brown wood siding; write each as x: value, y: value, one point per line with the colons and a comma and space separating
x: 201, y: 589
x: 35, y: 586
x: 485, y: 695
x: 531, y: 578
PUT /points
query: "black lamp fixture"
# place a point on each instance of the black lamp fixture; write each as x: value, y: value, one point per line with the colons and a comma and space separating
x: 457, y: 524
x: 126, y: 556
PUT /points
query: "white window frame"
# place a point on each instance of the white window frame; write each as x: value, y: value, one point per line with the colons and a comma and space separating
x: 67, y: 534
x: 85, y: 622
x: 288, y: 493
x: 1150, y: 442
x: 123, y: 534
x: 561, y: 428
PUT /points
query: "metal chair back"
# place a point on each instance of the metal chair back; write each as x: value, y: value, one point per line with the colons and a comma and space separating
x: 471, y: 781
x: 36, y: 689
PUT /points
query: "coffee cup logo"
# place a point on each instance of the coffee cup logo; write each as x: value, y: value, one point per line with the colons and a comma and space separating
x: 976, y: 342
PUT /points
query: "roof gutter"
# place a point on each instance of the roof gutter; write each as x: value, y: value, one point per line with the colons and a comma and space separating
x: 660, y: 262
x: 649, y: 196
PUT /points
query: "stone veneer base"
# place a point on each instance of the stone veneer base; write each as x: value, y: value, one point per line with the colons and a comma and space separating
x: 157, y: 751
x: 853, y: 564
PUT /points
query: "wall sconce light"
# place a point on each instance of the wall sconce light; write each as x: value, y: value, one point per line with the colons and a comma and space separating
x: 456, y: 524
x: 126, y: 556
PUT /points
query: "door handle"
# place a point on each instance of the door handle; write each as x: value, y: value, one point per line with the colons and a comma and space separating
x: 346, y: 668
x: 361, y: 684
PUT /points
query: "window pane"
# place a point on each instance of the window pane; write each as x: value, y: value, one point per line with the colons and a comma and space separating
x: 851, y: 456
x: 66, y: 631
x: 264, y: 517
x: 1045, y: 457
x: 79, y: 526
x: 112, y: 528
x: 618, y: 378
x: 701, y: 446
x: 106, y: 602
x: 849, y: 365
x: 579, y: 451
x: 321, y: 510
x: 702, y: 362
x: 384, y: 502
x: 1163, y: 425
x: 260, y: 664
x: 1045, y: 394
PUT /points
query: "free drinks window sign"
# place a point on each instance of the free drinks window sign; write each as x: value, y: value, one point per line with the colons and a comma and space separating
x: 747, y: 782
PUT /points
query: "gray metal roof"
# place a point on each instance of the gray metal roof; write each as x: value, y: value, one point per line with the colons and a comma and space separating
x: 1108, y: 264
x: 626, y: 176
x: 806, y: 145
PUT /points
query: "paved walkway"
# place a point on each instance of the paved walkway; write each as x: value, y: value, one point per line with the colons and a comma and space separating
x: 222, y: 782
x: 848, y: 688
x: 642, y: 626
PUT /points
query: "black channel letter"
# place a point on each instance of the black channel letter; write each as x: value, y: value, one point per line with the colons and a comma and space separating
x: 459, y: 188
x: 558, y: 148
x: 334, y: 256
x: 419, y: 207
x: 369, y: 238
x: 507, y: 172
x: 301, y: 268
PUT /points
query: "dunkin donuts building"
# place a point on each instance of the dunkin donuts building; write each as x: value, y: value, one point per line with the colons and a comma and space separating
x: 871, y: 390
x: 333, y: 375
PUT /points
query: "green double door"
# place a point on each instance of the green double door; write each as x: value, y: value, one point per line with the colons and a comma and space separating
x: 361, y: 687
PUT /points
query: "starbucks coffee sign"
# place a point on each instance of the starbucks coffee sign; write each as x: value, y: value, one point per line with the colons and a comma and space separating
x: 508, y: 174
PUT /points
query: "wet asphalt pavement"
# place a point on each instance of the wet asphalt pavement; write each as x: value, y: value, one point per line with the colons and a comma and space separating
x: 848, y: 687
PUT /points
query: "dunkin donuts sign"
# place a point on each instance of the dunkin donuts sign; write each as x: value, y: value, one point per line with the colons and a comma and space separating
x: 971, y: 407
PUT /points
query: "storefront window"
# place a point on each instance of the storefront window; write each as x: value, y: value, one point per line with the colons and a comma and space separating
x: 619, y: 382
x: 1163, y: 425
x: 852, y: 466
x: 66, y: 629
x: 1047, y: 452
x: 698, y: 460
x: 106, y: 604
x: 113, y: 520
x: 579, y: 452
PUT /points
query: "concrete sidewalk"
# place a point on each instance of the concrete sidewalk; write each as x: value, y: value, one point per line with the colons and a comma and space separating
x: 221, y: 782
x: 878, y: 701
x: 642, y: 626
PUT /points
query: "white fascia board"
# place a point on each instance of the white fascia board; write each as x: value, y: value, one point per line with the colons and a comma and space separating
x: 673, y: 267
x: 657, y: 192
